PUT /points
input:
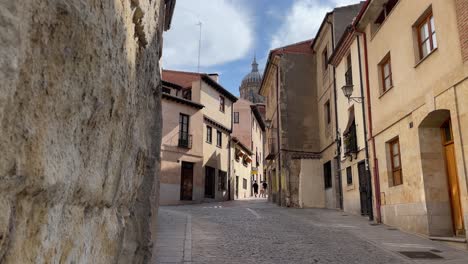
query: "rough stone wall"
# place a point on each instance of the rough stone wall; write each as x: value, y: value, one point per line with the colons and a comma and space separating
x: 79, y: 130
x: 462, y: 21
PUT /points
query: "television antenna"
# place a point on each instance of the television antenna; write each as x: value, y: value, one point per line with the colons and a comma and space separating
x: 199, y: 44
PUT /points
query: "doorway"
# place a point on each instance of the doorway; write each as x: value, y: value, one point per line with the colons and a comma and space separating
x: 186, y: 183
x: 363, y: 187
x: 452, y: 178
x: 237, y: 187
x: 209, y: 182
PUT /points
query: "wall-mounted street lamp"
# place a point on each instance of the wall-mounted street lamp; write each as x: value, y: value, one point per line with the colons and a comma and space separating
x: 348, y: 91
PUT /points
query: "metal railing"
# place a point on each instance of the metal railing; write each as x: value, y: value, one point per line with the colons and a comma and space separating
x: 350, y: 141
x: 185, y: 140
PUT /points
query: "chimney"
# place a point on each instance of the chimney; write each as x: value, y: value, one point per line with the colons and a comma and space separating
x: 214, y: 76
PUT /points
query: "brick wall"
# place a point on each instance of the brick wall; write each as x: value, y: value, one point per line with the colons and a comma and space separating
x: 462, y: 21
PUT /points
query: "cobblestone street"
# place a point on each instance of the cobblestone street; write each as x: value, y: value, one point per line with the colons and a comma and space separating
x: 254, y: 231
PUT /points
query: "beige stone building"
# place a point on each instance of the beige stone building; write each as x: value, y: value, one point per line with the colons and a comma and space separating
x: 197, y: 127
x: 249, y: 129
x: 304, y: 158
x: 352, y: 128
x: 292, y: 154
x: 331, y: 30
x: 415, y: 59
x: 242, y: 169
x: 181, y: 148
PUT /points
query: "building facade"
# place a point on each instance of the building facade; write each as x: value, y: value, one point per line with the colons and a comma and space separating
x: 197, y: 125
x: 249, y: 129
x: 292, y: 154
x: 242, y: 169
x: 417, y: 92
x: 331, y: 30
x: 347, y: 60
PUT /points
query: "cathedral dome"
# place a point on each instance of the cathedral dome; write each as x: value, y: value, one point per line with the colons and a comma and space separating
x: 251, y: 85
x: 254, y: 77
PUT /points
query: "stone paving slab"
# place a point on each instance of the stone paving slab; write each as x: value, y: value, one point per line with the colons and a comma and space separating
x: 255, y: 231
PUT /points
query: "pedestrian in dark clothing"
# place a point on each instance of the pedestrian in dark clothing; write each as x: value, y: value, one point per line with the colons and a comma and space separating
x: 255, y: 187
x: 264, y: 185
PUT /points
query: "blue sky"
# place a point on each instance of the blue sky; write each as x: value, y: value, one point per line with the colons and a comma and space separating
x: 233, y: 30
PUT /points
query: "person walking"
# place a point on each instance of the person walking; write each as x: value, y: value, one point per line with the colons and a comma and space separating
x: 255, y: 187
x: 265, y: 186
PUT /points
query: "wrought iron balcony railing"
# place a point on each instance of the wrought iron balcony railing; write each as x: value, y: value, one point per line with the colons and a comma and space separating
x: 350, y: 142
x: 185, y: 140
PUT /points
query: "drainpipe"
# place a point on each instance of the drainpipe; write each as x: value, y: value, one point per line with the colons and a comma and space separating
x: 371, y: 135
x: 368, y: 174
x: 337, y: 140
x: 229, y: 155
x: 278, y: 75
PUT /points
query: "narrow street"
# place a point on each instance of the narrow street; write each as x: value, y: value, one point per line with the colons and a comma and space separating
x: 254, y: 231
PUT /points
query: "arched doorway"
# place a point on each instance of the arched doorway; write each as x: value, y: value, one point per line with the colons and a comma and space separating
x: 442, y: 192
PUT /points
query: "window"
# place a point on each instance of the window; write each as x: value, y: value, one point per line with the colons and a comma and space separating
x: 166, y: 90
x: 427, y: 40
x: 219, y: 139
x: 325, y: 59
x: 244, y: 184
x: 395, y: 162
x: 184, y: 137
x: 209, y: 134
x: 386, y: 73
x: 327, y: 174
x: 349, y: 71
x: 187, y: 94
x: 221, y: 104
x: 386, y: 9
x: 327, y: 112
x: 236, y: 117
x: 222, y: 179
x: 349, y: 176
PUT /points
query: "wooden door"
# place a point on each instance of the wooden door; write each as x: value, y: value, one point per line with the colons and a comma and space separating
x: 209, y: 182
x: 452, y: 178
x: 186, y: 184
x: 363, y: 184
x: 237, y: 187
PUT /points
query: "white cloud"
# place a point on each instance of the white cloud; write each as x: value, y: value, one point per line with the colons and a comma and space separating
x: 227, y: 34
x: 303, y: 20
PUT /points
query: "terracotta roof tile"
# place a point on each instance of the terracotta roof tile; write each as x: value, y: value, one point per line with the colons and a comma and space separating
x: 181, y: 78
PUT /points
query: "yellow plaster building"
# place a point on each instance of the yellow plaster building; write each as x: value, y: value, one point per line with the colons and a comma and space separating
x: 418, y: 94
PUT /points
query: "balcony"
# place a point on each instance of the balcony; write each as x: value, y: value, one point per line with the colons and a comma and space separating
x: 185, y: 140
x: 350, y: 141
x: 271, y: 148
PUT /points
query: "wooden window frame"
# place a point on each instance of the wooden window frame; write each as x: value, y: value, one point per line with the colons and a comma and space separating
x: 236, y: 117
x: 209, y: 134
x: 219, y: 138
x: 391, y: 143
x: 166, y: 90
x: 386, y: 60
x: 426, y: 19
x: 184, y: 127
x: 325, y: 59
x: 222, y: 103
x: 222, y: 180
x: 349, y: 176
x: 328, y: 178
x: 327, y: 112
